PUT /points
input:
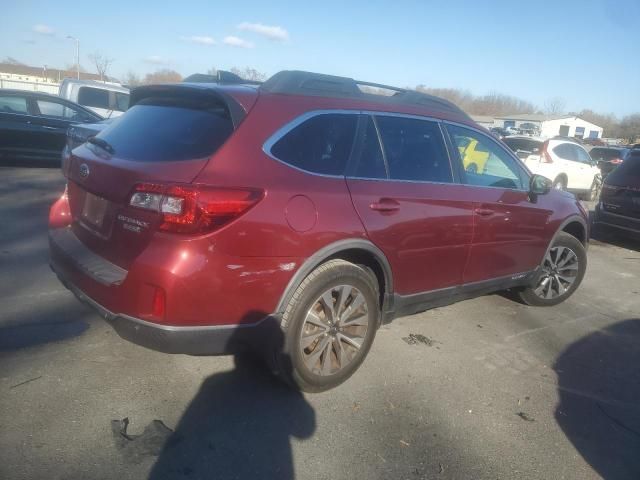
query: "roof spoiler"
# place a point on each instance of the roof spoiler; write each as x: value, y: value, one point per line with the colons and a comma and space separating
x: 222, y: 77
x: 189, y: 96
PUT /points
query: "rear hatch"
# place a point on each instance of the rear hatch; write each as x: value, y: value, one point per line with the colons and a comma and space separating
x: 621, y: 190
x: 167, y: 136
x: 525, y: 148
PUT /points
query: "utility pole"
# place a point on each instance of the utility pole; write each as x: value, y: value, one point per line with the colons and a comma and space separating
x: 77, y: 54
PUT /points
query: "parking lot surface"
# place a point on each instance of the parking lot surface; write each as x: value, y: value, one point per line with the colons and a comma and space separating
x: 483, y: 389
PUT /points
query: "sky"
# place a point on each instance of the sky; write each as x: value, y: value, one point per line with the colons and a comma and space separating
x: 586, y: 53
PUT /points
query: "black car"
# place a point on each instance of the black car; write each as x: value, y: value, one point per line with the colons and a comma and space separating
x: 609, y: 158
x: 619, y: 206
x: 499, y: 132
x: 33, y: 126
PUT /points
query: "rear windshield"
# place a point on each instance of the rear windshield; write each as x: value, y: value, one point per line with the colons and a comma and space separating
x: 628, y: 173
x: 523, y: 145
x: 606, y: 154
x: 162, y: 133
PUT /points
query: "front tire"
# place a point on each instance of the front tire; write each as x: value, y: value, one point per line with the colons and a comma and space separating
x: 329, y: 326
x: 561, y: 272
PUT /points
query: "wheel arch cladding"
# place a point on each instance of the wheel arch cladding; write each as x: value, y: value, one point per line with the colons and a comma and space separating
x: 357, y: 251
x: 576, y: 229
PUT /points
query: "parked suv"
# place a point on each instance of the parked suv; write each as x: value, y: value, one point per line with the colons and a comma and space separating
x: 297, y: 216
x: 562, y: 160
x: 619, y: 205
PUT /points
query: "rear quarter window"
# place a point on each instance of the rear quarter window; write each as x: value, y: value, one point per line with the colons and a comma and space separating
x: 159, y: 133
x: 321, y: 144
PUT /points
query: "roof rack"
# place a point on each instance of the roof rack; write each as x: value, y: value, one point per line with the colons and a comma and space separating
x: 295, y: 82
x: 221, y: 77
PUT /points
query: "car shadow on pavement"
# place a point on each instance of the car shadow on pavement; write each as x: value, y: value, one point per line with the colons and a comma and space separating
x: 599, y: 391
x: 239, y: 425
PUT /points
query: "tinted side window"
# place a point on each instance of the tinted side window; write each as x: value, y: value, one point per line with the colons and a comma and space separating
x: 13, y: 104
x: 369, y: 162
x: 50, y: 108
x: 321, y: 144
x: 93, y: 97
x: 484, y: 161
x: 566, y: 152
x: 582, y: 155
x: 414, y: 149
x: 122, y: 102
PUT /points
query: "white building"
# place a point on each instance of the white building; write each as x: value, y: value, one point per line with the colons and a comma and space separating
x: 484, y: 120
x: 552, y: 125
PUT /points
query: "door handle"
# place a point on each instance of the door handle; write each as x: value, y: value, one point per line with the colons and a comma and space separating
x: 484, y: 212
x: 385, y: 205
x: 46, y: 127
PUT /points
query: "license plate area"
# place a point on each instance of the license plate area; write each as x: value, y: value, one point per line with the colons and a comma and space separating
x: 94, y: 210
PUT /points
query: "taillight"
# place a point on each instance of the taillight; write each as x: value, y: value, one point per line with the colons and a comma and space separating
x: 60, y: 212
x: 616, y: 161
x: 544, y: 154
x: 194, y: 208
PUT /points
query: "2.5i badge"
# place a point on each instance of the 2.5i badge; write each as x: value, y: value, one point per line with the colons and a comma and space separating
x: 132, y: 224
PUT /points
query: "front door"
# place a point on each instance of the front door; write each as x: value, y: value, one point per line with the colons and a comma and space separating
x: 401, y: 184
x: 509, y: 230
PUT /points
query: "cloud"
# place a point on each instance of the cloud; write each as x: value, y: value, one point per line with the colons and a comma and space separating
x: 156, y: 60
x: 199, y: 39
x: 43, y: 29
x: 272, y: 32
x: 237, y: 42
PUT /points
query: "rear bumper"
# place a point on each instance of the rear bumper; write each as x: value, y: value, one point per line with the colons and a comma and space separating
x: 614, y: 220
x: 199, y: 340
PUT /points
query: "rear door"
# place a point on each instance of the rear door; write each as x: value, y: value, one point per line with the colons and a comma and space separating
x: 16, y: 132
x: 167, y: 137
x: 403, y: 189
x: 509, y: 229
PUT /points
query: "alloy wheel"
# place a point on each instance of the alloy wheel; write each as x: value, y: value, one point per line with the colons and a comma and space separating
x: 559, y: 272
x: 334, y: 330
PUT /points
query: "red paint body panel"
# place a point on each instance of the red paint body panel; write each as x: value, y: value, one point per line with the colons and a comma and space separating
x: 427, y: 239
x: 433, y: 240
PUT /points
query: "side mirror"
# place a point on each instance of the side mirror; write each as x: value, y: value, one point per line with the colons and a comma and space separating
x: 539, y: 185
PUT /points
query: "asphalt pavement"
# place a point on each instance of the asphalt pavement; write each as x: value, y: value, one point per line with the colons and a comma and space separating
x: 483, y: 389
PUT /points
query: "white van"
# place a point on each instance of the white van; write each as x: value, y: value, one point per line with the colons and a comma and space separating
x: 105, y: 98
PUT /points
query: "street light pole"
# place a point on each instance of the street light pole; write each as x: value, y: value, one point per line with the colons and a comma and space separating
x: 77, y: 54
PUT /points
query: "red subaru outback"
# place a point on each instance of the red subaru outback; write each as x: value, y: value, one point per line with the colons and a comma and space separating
x: 212, y: 217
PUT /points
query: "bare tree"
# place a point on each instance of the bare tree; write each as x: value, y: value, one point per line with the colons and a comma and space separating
x: 102, y: 64
x: 12, y: 61
x: 491, y: 104
x: 248, y: 73
x: 163, y: 76
x: 554, y: 106
x: 132, y: 79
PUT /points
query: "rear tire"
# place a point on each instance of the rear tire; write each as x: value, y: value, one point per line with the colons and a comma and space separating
x: 329, y: 326
x: 561, y: 272
x: 594, y: 191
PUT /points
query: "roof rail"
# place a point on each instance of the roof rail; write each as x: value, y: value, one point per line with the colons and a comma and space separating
x: 295, y: 82
x: 221, y: 77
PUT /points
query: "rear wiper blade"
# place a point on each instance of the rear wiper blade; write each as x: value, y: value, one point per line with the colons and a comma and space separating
x: 103, y: 144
